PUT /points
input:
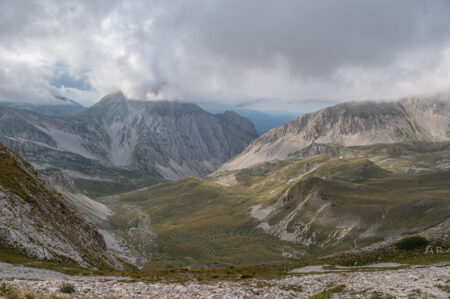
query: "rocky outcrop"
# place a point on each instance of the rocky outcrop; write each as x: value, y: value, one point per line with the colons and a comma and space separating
x: 127, y: 138
x: 352, y: 124
x: 36, y: 221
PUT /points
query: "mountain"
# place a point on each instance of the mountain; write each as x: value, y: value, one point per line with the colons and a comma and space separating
x: 324, y: 199
x: 263, y: 121
x: 37, y: 222
x: 347, y: 124
x: 63, y: 107
x: 121, y: 140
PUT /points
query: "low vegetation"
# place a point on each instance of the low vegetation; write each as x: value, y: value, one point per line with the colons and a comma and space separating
x: 328, y: 293
x: 67, y: 288
x: 412, y: 243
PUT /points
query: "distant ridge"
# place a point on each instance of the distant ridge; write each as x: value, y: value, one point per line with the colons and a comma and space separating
x: 359, y: 123
x: 63, y: 107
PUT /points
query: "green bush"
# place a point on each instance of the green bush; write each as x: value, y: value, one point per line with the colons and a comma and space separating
x: 412, y: 243
x: 67, y: 288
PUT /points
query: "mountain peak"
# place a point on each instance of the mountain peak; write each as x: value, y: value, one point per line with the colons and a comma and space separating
x: 113, y: 97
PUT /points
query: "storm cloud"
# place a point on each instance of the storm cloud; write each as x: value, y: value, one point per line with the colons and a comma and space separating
x: 276, y: 54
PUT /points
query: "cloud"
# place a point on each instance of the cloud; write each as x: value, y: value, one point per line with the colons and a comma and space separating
x: 257, y: 52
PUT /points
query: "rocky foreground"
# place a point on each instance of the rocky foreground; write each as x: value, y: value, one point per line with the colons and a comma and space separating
x: 383, y: 281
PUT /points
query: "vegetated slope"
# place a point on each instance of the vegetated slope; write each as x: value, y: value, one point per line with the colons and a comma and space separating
x: 37, y: 222
x: 350, y: 124
x: 62, y: 107
x: 326, y: 199
x: 123, y: 139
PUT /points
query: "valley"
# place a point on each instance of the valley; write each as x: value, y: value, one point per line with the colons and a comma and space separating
x: 292, y: 209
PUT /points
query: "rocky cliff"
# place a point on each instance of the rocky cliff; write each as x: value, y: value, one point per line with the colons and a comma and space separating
x: 349, y: 124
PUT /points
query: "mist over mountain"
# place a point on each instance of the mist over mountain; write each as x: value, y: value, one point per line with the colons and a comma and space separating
x: 62, y: 107
x: 263, y: 121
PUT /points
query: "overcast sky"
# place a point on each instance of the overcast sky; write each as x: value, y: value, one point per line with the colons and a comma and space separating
x: 283, y: 55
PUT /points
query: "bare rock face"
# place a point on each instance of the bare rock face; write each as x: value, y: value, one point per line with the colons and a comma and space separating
x: 36, y: 221
x: 352, y: 124
x: 120, y: 137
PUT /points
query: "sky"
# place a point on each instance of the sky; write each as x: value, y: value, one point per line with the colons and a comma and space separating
x: 289, y: 55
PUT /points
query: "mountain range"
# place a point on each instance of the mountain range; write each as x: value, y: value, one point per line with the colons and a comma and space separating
x: 119, y: 139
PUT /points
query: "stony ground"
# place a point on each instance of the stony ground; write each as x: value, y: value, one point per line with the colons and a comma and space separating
x: 364, y: 282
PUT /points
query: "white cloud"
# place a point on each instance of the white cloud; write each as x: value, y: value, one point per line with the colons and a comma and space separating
x: 275, y: 53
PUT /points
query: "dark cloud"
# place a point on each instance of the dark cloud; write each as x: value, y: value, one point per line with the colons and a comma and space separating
x: 255, y: 52
x: 316, y: 38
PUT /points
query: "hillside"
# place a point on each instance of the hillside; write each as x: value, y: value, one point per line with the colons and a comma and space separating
x: 126, y: 141
x: 325, y: 199
x: 359, y: 123
x: 36, y: 221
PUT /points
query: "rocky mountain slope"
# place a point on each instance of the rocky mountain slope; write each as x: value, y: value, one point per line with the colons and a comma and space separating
x: 99, y: 215
x: 352, y: 124
x: 122, y: 139
x: 36, y: 221
x: 324, y: 199
x: 62, y: 107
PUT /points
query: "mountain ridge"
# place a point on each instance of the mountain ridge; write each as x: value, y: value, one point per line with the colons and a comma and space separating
x: 350, y: 124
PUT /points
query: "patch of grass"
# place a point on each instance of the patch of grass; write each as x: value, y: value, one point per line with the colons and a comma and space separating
x: 328, y: 293
x: 412, y: 243
x: 376, y: 295
x: 291, y: 287
x: 67, y: 288
x: 12, y: 292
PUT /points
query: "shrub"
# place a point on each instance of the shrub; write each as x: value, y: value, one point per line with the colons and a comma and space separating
x: 412, y: 243
x: 67, y: 288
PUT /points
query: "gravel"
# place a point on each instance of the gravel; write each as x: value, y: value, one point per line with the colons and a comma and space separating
x: 424, y: 282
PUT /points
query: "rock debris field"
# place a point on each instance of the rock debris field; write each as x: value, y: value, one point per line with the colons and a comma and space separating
x: 363, y: 282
